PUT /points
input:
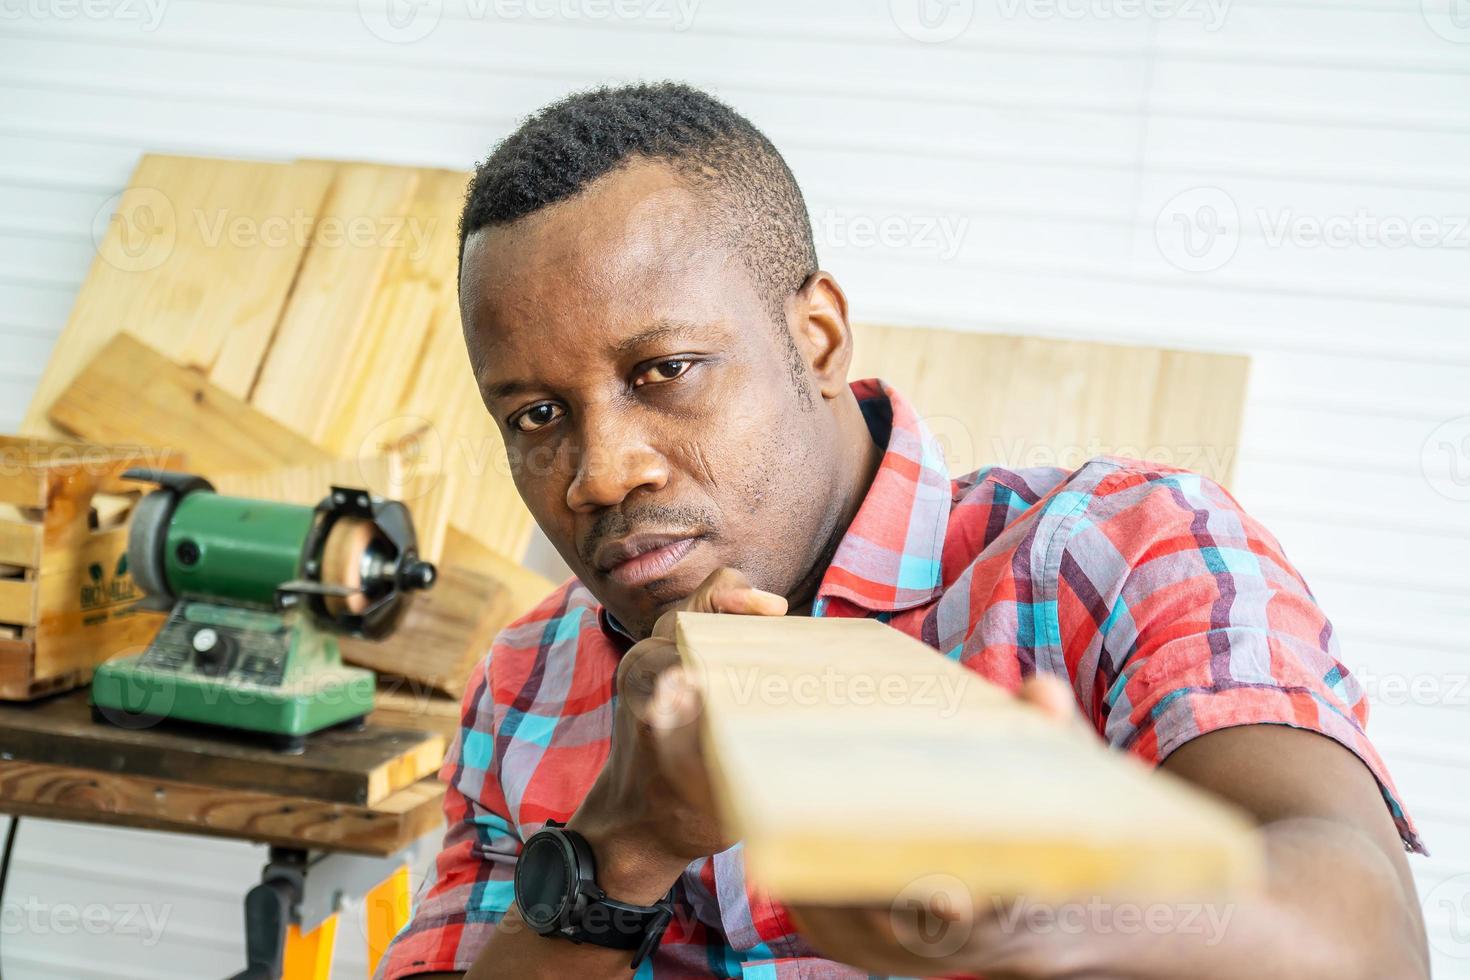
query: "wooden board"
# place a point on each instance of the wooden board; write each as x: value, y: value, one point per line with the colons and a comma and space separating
x: 401, y: 703
x: 346, y: 767
x: 853, y: 761
x: 197, y: 260
x: 131, y: 393
x: 341, y: 273
x: 419, y: 277
x: 445, y: 417
x: 94, y: 796
x: 448, y: 629
x: 992, y: 399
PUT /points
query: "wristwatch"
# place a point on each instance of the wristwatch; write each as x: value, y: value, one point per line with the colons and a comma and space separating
x: 558, y: 895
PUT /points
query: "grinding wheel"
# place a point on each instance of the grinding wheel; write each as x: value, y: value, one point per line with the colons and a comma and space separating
x: 343, y: 559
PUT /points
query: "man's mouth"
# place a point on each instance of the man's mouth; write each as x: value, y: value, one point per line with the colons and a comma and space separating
x: 643, y: 558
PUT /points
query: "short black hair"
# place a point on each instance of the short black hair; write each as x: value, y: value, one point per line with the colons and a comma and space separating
x: 569, y: 144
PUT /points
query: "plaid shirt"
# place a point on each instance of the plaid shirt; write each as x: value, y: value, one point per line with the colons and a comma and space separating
x: 1168, y: 610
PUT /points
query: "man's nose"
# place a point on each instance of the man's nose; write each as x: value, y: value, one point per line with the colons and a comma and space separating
x: 616, y: 460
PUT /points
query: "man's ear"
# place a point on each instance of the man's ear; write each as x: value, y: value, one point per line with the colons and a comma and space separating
x: 819, y: 325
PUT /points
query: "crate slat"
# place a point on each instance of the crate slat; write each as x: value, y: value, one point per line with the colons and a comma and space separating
x: 17, y: 602
x: 20, y: 543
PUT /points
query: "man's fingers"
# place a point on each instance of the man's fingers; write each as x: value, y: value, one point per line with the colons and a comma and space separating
x: 748, y: 601
x: 1052, y: 697
x: 675, y: 708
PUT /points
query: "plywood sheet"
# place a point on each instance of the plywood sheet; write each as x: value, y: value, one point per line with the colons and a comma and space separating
x: 993, y: 399
x: 197, y: 258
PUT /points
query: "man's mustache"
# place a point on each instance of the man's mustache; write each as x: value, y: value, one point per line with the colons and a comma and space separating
x: 613, y: 525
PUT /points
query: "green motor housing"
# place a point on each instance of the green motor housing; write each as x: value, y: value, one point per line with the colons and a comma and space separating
x: 234, y: 548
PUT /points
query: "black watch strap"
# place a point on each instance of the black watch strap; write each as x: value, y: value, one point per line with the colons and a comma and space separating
x: 587, y: 914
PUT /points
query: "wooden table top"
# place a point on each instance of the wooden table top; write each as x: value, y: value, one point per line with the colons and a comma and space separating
x: 371, y: 792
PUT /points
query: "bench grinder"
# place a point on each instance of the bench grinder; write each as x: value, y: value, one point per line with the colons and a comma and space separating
x: 255, y: 590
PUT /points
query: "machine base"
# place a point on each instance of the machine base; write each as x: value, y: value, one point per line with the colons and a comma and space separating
x: 131, y: 695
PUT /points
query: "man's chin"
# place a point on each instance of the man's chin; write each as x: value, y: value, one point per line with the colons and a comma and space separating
x: 642, y: 604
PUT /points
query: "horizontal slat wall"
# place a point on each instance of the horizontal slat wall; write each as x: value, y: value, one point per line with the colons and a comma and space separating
x: 1028, y: 164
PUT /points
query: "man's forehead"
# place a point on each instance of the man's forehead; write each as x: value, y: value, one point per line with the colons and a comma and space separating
x: 638, y: 222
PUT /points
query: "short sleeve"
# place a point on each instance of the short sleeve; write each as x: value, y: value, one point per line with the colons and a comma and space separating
x: 1178, y: 614
x: 474, y: 873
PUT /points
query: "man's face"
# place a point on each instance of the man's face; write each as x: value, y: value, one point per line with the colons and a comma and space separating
x: 652, y: 415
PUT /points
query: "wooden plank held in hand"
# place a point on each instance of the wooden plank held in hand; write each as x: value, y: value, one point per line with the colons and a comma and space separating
x: 198, y: 260
x: 855, y: 761
x: 130, y: 393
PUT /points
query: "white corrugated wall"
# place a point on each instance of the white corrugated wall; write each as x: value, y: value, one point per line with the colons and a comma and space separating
x: 1286, y: 180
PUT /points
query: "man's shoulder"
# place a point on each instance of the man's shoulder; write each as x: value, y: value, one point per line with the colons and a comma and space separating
x: 1101, y: 483
x: 1038, y: 507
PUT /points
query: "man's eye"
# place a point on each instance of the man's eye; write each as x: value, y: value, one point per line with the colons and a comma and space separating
x: 662, y: 371
x: 536, y: 416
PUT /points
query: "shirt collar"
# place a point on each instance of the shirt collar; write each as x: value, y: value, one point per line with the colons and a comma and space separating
x: 889, y: 559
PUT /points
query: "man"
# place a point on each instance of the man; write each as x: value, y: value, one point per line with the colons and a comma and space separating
x: 647, y: 322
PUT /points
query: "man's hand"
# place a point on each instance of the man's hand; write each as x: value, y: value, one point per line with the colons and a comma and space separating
x: 649, y: 813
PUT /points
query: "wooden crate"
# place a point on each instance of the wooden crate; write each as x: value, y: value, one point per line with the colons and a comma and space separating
x: 67, y: 600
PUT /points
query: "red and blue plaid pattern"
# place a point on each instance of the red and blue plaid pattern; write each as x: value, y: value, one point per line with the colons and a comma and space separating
x: 1168, y: 609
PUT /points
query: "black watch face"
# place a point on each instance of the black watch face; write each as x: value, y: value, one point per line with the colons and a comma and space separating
x: 543, y: 881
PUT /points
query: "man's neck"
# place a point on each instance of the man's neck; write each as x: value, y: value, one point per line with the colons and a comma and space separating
x: 857, y: 481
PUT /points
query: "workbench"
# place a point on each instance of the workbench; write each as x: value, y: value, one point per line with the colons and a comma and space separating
x: 346, y: 810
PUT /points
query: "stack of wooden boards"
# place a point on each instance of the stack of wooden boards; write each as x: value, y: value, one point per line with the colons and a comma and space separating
x: 287, y: 326
x: 856, y: 763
